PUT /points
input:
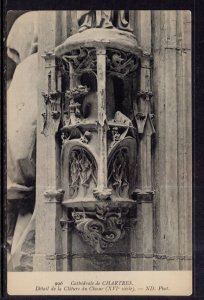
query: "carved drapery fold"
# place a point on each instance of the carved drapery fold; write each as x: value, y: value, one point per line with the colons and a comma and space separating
x: 103, y: 19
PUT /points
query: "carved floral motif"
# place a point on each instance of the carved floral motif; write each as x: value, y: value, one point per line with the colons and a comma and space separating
x: 82, y: 59
x: 120, y: 62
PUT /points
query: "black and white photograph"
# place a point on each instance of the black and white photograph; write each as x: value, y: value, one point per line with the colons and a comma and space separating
x: 99, y: 142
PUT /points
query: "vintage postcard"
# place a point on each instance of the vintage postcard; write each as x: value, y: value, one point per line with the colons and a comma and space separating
x: 99, y: 152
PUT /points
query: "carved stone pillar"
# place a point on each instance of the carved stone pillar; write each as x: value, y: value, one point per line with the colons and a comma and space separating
x: 48, y: 235
x: 99, y: 145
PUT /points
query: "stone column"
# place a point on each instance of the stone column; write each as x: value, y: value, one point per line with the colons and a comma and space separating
x: 172, y: 98
x: 48, y: 236
x: 102, y: 122
x: 184, y: 138
x: 164, y: 88
x: 67, y: 228
x: 142, y: 231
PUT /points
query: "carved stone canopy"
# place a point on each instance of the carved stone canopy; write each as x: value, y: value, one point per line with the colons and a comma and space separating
x: 100, y: 38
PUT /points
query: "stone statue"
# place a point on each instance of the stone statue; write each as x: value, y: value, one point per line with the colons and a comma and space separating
x: 21, y: 138
x: 103, y: 19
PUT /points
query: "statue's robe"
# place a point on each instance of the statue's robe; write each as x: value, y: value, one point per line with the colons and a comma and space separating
x: 102, y: 19
x: 94, y: 18
x: 21, y: 142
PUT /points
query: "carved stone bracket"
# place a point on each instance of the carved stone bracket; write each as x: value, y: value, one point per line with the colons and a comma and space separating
x: 102, y: 230
x: 54, y: 196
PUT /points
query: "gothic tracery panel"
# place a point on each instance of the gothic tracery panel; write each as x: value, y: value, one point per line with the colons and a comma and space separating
x: 82, y: 170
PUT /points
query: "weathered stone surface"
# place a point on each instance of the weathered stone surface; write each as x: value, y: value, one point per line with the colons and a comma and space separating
x: 96, y: 37
x: 21, y: 135
x: 113, y: 188
x: 172, y: 158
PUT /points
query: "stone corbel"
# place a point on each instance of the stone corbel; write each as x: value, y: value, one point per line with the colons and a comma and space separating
x: 54, y: 196
x: 102, y: 230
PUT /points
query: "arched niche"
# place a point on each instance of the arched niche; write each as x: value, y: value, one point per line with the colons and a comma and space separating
x: 122, y: 169
x: 79, y: 172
